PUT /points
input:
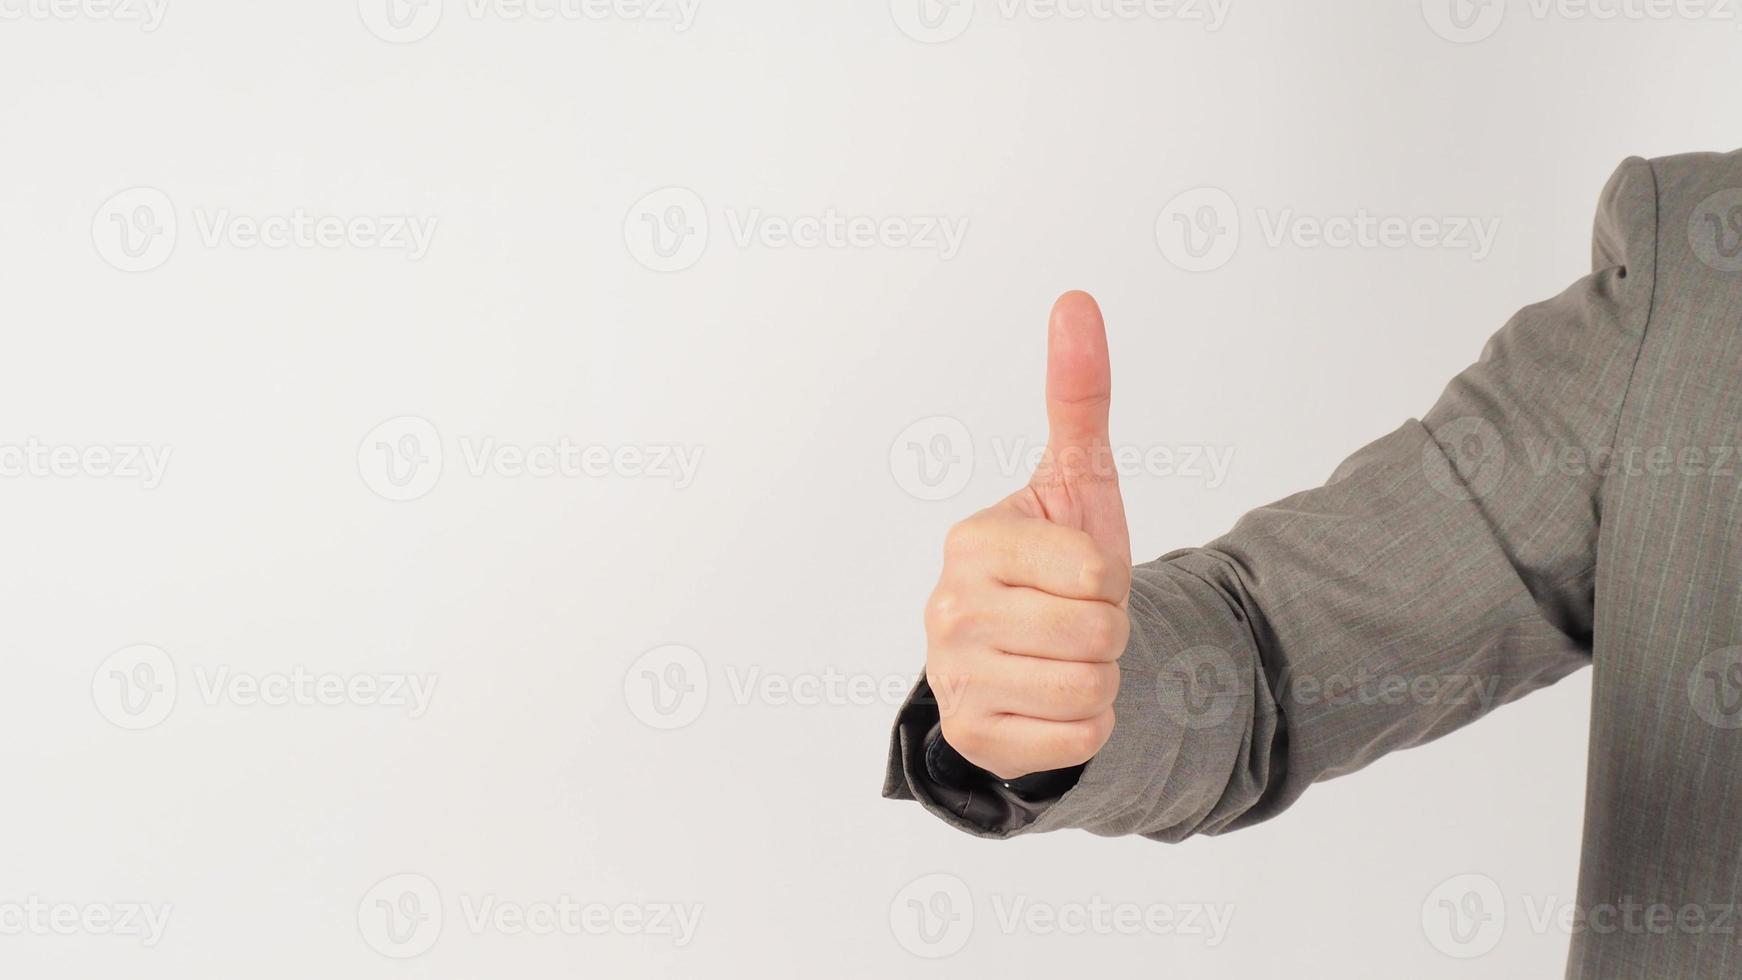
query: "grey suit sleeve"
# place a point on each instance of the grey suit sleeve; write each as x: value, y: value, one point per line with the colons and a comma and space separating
x: 1445, y: 569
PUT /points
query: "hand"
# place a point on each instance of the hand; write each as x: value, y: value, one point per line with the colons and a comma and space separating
x: 1026, y: 625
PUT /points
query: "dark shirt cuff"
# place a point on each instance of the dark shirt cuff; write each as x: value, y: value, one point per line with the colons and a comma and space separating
x: 924, y: 767
x: 948, y: 768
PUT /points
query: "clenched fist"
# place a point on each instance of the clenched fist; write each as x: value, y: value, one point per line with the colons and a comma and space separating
x: 1026, y: 625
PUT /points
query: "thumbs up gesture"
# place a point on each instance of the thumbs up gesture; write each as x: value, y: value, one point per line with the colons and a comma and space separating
x: 1026, y: 625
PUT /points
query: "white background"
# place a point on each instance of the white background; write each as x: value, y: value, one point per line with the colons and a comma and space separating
x: 538, y: 769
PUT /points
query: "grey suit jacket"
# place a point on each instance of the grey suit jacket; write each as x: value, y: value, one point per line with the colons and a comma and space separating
x: 1574, y: 498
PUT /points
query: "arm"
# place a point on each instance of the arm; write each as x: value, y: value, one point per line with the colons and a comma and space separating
x: 1445, y: 569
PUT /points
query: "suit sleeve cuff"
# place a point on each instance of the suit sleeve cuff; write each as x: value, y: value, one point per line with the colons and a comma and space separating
x: 1174, y: 745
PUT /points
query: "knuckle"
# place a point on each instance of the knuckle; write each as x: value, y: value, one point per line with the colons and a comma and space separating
x: 1100, y: 684
x: 1106, y: 631
x: 1109, y: 684
x: 1102, y: 728
x: 965, y: 736
x: 962, y: 539
x: 1104, y: 577
x: 1080, y: 741
x: 1121, y: 584
x: 1096, y: 573
x: 946, y: 614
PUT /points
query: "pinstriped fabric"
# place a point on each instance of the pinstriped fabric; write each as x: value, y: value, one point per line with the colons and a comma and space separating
x: 1663, y: 823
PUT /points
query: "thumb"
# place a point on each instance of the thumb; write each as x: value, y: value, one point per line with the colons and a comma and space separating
x: 1079, y: 391
x: 1078, y: 483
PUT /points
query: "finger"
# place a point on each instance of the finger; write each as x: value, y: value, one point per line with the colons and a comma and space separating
x: 1037, y: 554
x: 1031, y: 623
x: 1052, y: 690
x: 1012, y: 746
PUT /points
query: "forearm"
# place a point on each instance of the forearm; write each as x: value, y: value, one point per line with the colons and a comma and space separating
x: 1384, y: 615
